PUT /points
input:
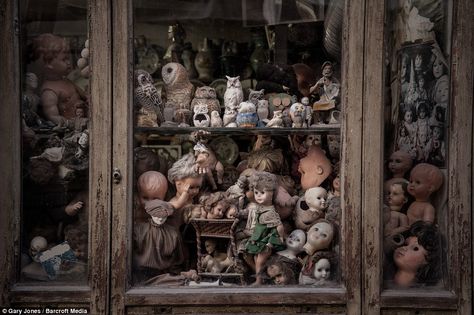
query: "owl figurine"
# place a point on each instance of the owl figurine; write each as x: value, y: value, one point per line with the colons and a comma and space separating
x: 230, y: 115
x: 255, y: 96
x: 247, y: 115
x: 216, y: 120
x: 148, y: 104
x: 277, y: 120
x: 179, y: 90
x: 206, y: 95
x: 201, y: 117
x: 262, y: 110
x: 234, y: 95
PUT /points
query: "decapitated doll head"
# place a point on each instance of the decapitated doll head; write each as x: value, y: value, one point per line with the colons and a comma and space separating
x: 314, y: 168
x: 37, y: 245
x: 398, y: 196
x: 319, y: 236
x: 399, y: 163
x: 183, y: 172
x: 316, y: 199
x: 424, y: 180
x: 263, y: 185
x: 210, y: 245
x: 54, y: 53
x: 151, y: 185
x: 296, y: 240
x: 280, y: 273
x: 441, y: 90
x: 324, y: 263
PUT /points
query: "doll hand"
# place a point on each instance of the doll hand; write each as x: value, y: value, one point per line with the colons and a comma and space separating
x: 73, y: 209
x: 186, y: 189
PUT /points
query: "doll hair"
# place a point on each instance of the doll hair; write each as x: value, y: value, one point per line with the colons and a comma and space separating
x: 145, y: 160
x: 211, y: 200
x: 284, y: 268
x: 442, y: 80
x: 330, y: 256
x: 266, y: 160
x: 48, y: 46
x: 152, y: 180
x: 183, y: 168
x: 423, y: 106
x: 434, y: 175
x: 263, y: 181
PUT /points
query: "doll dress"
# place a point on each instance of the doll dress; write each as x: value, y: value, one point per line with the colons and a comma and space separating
x: 265, y: 231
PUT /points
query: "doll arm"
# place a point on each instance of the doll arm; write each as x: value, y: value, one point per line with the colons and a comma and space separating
x: 73, y: 208
x: 50, y: 100
x: 182, y: 200
x: 281, y: 232
x: 429, y: 214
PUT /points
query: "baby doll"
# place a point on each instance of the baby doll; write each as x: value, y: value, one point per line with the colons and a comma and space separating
x: 216, y: 206
x: 214, y: 261
x: 268, y: 233
x: 157, y: 244
x: 397, y: 200
x: 319, y: 269
x: 399, y: 163
x: 425, y: 179
x: 279, y: 273
x: 418, y: 260
x: 314, y: 168
x: 310, y: 208
x: 58, y: 95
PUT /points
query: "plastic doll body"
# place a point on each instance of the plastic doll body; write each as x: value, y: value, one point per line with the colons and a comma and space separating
x: 398, y: 221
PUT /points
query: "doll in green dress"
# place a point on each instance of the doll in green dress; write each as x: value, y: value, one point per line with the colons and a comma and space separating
x: 268, y: 234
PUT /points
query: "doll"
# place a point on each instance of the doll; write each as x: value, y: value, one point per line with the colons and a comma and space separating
x: 207, y: 163
x: 399, y: 163
x: 279, y: 273
x: 410, y: 125
x: 328, y: 90
x: 214, y: 261
x: 58, y: 95
x: 441, y: 96
x: 310, y: 208
x: 268, y: 233
x: 425, y: 179
x: 157, y: 244
x: 422, y: 127
x: 314, y: 168
x: 217, y: 206
x: 404, y: 142
x: 397, y: 200
x: 319, y: 270
x: 289, y: 256
x: 435, y: 148
x: 319, y: 236
x: 418, y: 260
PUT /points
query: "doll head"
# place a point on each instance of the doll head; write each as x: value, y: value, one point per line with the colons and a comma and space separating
x: 145, y: 160
x: 80, y: 111
x: 263, y: 185
x: 441, y: 90
x: 408, y: 117
x: 183, y: 172
x: 403, y: 132
x: 280, y: 273
x: 324, y: 263
x: 398, y: 195
x: 399, y: 163
x: 439, y: 65
x: 419, y: 259
x: 37, y: 245
x: 316, y: 199
x: 437, y: 132
x: 312, y: 140
x: 215, y: 204
x: 314, y: 168
x: 418, y: 61
x: 421, y: 82
x: 422, y: 111
x: 151, y: 185
x: 54, y: 54
x: 424, y: 180
x: 319, y: 236
x: 327, y: 69
x: 210, y: 245
x: 296, y: 240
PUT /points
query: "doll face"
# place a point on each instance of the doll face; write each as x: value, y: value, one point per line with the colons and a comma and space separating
x: 263, y: 197
x: 419, y: 186
x: 396, y: 197
x: 422, y: 114
x: 438, y: 68
x: 314, y: 168
x: 442, y: 92
x: 195, y: 184
x: 37, y: 245
x: 408, y: 116
x: 312, y: 140
x: 322, y: 269
x: 411, y: 256
x: 436, y: 133
x: 296, y: 240
x: 327, y: 71
x: 61, y: 64
x: 399, y: 163
x: 276, y: 274
x: 407, y: 5
x: 83, y: 139
x: 336, y: 183
x: 218, y: 211
x: 421, y: 82
x: 31, y: 80
x: 418, y: 61
x: 210, y: 246
x: 80, y: 113
x: 320, y: 235
x: 316, y: 198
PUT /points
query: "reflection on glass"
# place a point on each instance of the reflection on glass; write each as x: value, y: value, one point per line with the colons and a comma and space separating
x: 55, y: 120
x: 414, y: 188
x: 232, y: 187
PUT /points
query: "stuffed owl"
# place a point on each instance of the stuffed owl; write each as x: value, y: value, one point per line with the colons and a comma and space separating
x: 206, y: 95
x: 201, y: 117
x: 234, y: 95
x: 149, y: 107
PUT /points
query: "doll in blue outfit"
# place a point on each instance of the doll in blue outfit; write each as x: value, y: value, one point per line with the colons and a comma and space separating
x: 268, y: 234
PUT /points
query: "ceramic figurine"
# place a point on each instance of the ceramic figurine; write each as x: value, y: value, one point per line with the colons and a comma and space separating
x: 298, y: 115
x: 280, y: 273
x: 315, y: 167
x: 201, y: 117
x: 78, y: 124
x: 149, y: 107
x: 237, y: 191
x: 425, y: 179
x: 234, y: 94
x: 328, y: 90
x: 206, y: 95
x: 397, y: 201
x: 308, y: 110
x: 216, y: 120
x: 176, y: 36
x: 319, y: 269
x: 178, y: 91
x: 319, y: 236
x: 294, y: 244
x: 256, y: 96
x: 214, y: 261
x: 310, y: 208
x: 268, y: 233
x: 262, y: 110
x: 157, y: 244
x: 277, y: 120
x: 247, y: 115
x: 418, y: 261
x: 230, y: 116
x: 207, y: 163
x: 399, y: 163
x: 59, y: 96
x: 204, y: 62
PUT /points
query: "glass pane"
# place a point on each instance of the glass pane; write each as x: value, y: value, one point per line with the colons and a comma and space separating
x: 237, y: 121
x: 55, y: 120
x: 417, y: 111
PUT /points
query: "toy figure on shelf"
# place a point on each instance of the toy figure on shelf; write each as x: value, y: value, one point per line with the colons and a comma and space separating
x: 268, y: 233
x: 277, y: 120
x: 216, y: 206
x: 201, y: 117
x: 328, y: 90
x: 308, y: 110
x: 298, y: 115
x: 179, y: 91
x: 262, y: 111
x: 216, y: 120
x: 418, y: 261
x: 58, y: 95
x: 425, y: 179
x: 214, y: 261
x: 399, y: 163
x: 234, y: 94
x: 206, y: 95
x: 319, y: 270
x: 247, y: 115
x: 176, y: 36
x: 310, y: 208
x: 148, y: 104
x: 397, y: 199
x: 207, y: 163
x: 256, y: 96
x: 315, y: 167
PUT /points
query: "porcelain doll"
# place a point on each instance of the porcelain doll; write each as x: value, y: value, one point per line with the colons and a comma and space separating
x: 319, y: 236
x: 399, y: 163
x: 294, y: 244
x: 58, y: 95
x: 214, y: 261
x: 279, y: 273
x: 207, y: 163
x: 157, y: 244
x: 277, y: 120
x: 418, y: 261
x: 397, y: 201
x: 328, y: 90
x: 298, y: 115
x: 268, y: 233
x: 314, y: 168
x: 182, y: 174
x: 217, y: 206
x: 179, y: 91
x: 247, y: 115
x: 319, y: 269
x: 310, y: 208
x: 425, y: 179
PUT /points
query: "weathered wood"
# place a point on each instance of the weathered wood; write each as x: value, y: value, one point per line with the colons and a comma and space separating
x: 351, y: 148
x: 50, y: 294
x: 460, y: 156
x: 122, y: 152
x: 10, y: 139
x: 413, y: 311
x: 100, y: 153
x: 435, y: 299
x: 372, y: 155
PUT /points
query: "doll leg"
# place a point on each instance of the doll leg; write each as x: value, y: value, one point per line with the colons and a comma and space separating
x: 260, y: 260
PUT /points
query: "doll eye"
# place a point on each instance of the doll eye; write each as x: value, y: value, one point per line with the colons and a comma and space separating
x: 324, y: 235
x: 415, y: 248
x: 316, y: 229
x: 319, y: 269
